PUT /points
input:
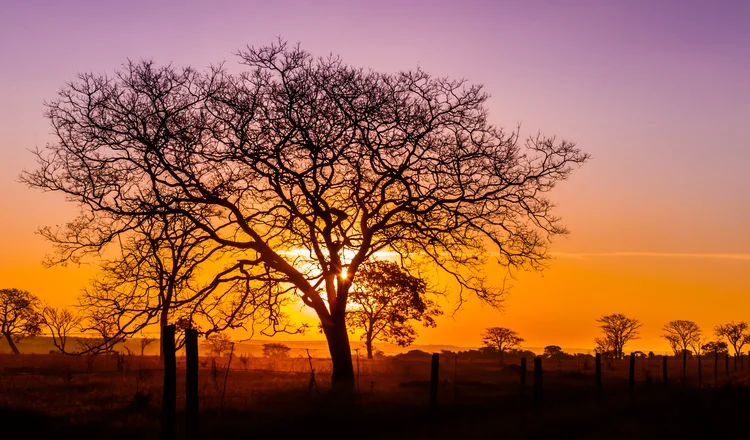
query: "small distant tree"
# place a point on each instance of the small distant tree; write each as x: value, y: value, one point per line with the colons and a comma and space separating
x: 218, y: 343
x: 145, y: 342
x: 736, y: 334
x: 604, y: 346
x: 552, y: 351
x: 715, y: 347
x: 385, y: 300
x: 275, y: 350
x: 19, y: 316
x: 618, y: 330
x: 103, y: 329
x: 501, y: 339
x: 697, y: 345
x: 681, y: 335
x: 61, y: 323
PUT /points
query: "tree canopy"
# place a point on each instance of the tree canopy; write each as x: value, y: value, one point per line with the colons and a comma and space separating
x: 617, y: 331
x: 682, y: 334
x: 20, y: 316
x: 385, y: 300
x: 501, y: 339
x: 309, y: 167
x: 736, y: 334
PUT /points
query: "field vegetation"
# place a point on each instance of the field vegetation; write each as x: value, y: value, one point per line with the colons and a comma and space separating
x: 118, y: 396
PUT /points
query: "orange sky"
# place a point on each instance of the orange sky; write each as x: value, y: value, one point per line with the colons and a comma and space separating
x: 658, y: 94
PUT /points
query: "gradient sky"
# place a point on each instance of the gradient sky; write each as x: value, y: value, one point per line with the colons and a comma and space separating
x: 657, y: 91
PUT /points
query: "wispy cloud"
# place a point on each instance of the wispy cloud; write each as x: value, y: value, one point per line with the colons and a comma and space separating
x: 712, y: 256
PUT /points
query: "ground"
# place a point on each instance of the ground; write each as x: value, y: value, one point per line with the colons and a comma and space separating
x: 67, y: 397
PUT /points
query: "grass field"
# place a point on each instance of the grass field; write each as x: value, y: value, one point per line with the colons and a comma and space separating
x: 44, y: 395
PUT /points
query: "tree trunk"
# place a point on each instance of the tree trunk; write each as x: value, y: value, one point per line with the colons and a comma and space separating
x: 163, y: 321
x: 342, y: 378
x: 368, y: 344
x: 11, y: 344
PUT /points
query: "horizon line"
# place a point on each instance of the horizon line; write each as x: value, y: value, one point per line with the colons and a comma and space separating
x: 708, y: 255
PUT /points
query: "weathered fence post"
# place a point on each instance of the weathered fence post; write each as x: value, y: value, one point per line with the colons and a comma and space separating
x: 684, y: 367
x: 716, y: 367
x: 631, y: 376
x: 664, y: 370
x: 726, y: 364
x: 598, y: 369
x: 191, y: 383
x: 700, y: 371
x: 434, y: 378
x: 523, y: 380
x: 169, y: 395
x: 538, y: 384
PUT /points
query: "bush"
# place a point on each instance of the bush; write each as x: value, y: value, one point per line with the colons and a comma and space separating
x: 275, y: 350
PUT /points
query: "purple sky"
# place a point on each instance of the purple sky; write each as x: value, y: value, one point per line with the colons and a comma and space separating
x: 657, y: 91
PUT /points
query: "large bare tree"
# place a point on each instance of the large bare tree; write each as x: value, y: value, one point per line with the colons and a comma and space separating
x: 309, y: 166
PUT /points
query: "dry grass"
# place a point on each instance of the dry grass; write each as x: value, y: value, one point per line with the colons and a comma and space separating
x: 71, y: 392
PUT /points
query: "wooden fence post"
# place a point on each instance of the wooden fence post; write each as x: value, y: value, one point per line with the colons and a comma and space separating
x: 726, y: 364
x: 169, y: 394
x: 716, y: 367
x: 664, y: 370
x: 631, y: 376
x: 434, y: 378
x: 523, y: 380
x: 700, y: 371
x: 191, y: 384
x: 598, y: 369
x: 735, y: 362
x: 684, y: 367
x: 538, y: 385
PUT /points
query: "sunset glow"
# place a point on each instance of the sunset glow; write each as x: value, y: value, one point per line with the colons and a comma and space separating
x: 656, y: 92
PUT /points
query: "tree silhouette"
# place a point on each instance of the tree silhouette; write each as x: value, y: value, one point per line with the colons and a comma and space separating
x: 682, y: 335
x: 618, y: 330
x: 153, y: 281
x: 218, y: 343
x: 552, y: 351
x: 61, y: 323
x: 736, y: 334
x: 385, y: 299
x: 275, y: 350
x: 20, y: 316
x: 310, y: 167
x: 715, y: 347
x: 103, y: 330
x: 501, y: 339
x: 145, y: 342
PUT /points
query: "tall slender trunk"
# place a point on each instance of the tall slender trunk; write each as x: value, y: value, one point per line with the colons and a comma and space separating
x: 368, y: 344
x: 368, y: 340
x: 342, y: 378
x: 12, y: 344
x: 163, y: 322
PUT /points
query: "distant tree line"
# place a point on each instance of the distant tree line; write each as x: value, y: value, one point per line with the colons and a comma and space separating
x: 385, y: 302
